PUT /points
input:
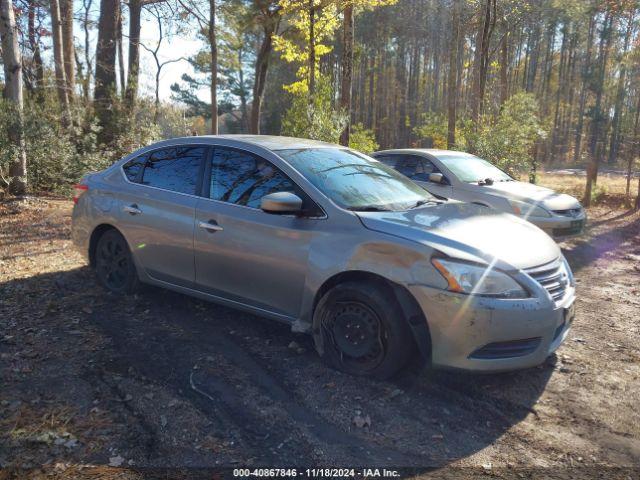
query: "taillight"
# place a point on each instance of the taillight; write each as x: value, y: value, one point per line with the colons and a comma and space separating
x: 79, y: 189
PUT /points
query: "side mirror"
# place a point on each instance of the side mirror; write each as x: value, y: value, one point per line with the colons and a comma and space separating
x: 281, y: 202
x: 435, y: 177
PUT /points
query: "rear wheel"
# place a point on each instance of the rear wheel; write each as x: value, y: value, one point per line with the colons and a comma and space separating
x: 114, y: 264
x: 359, y: 329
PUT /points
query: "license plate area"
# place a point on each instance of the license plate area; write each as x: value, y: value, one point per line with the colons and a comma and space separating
x: 577, y: 224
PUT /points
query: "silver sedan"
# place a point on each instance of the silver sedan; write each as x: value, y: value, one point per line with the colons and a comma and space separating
x: 467, y: 178
x: 332, y: 243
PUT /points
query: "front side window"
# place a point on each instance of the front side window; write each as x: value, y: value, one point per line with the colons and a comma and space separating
x: 174, y: 169
x: 355, y: 181
x: 243, y: 179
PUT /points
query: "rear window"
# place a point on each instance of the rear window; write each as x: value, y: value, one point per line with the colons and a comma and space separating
x: 133, y: 168
x: 174, y: 169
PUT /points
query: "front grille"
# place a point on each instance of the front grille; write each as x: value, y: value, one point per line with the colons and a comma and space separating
x: 569, y: 212
x: 511, y: 349
x: 552, y: 276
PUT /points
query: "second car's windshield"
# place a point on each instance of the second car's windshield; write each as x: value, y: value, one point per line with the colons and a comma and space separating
x: 355, y: 181
x: 469, y: 168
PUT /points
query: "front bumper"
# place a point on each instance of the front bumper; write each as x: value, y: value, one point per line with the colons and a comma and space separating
x: 559, y: 226
x: 483, y: 334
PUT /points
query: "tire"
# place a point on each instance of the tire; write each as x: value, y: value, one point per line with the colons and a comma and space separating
x: 115, y: 268
x: 358, y: 328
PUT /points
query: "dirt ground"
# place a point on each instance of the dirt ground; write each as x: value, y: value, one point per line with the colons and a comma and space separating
x: 98, y: 386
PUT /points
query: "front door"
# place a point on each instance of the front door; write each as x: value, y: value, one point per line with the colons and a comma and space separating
x: 158, y: 208
x: 243, y: 254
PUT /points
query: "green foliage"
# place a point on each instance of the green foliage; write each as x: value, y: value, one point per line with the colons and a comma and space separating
x: 60, y: 152
x: 362, y: 139
x: 132, y: 129
x: 187, y: 93
x: 508, y: 141
x: 51, y: 159
x: 433, y: 129
x: 314, y: 117
x: 598, y: 193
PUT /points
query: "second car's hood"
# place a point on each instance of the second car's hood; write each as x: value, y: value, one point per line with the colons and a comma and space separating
x: 469, y: 231
x: 527, y: 192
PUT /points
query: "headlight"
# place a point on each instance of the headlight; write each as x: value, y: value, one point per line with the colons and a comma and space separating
x: 478, y: 280
x: 566, y: 269
x: 528, y: 209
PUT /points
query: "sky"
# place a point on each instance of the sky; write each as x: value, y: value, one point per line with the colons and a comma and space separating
x: 173, y: 46
x: 179, y: 45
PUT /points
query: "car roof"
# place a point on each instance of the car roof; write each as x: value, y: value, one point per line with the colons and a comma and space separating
x: 270, y: 142
x: 434, y: 152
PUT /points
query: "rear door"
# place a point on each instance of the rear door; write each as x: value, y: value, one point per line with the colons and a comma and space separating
x: 158, y: 208
x: 246, y: 255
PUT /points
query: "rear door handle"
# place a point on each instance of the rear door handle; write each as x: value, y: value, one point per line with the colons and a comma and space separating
x: 211, y: 226
x: 132, y: 209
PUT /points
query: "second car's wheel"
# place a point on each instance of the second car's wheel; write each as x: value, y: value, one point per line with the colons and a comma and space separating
x: 359, y: 328
x: 114, y: 264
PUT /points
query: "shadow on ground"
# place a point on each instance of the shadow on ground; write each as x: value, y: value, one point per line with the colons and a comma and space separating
x: 586, y: 251
x: 193, y: 384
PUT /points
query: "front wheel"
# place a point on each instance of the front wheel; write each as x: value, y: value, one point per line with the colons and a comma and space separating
x: 359, y: 329
x: 114, y: 264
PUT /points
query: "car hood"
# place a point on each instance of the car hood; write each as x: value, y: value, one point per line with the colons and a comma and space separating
x: 471, y: 232
x: 527, y: 192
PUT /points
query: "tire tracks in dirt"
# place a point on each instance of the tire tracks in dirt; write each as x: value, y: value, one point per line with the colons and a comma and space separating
x: 184, y: 341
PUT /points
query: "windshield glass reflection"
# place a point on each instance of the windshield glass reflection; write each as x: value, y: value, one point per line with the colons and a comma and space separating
x: 355, y: 181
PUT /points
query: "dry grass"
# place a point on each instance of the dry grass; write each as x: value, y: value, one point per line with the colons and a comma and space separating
x: 610, y: 189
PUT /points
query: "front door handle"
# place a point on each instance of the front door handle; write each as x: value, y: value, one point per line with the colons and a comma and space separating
x: 132, y: 209
x: 211, y: 226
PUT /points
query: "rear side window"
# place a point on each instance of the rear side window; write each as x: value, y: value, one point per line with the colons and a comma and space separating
x: 243, y: 179
x: 133, y: 168
x: 174, y: 169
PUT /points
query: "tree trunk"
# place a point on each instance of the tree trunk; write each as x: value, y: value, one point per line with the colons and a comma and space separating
x: 586, y: 66
x: 66, y: 21
x: 34, y: 44
x: 123, y: 84
x: 312, y: 51
x: 504, y: 61
x: 135, y: 12
x: 105, y: 78
x: 481, y: 57
x: 452, y: 94
x: 347, y: 71
x: 260, y: 77
x: 634, y: 150
x: 58, y: 56
x: 598, y: 114
x: 620, y: 94
x: 214, y: 67
x: 242, y: 93
x: 86, y: 83
x: 13, y: 93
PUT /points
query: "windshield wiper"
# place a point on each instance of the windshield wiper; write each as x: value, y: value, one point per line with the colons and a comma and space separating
x: 419, y: 203
x: 369, y: 208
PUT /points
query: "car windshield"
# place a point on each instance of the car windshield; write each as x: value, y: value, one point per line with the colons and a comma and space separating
x: 355, y: 181
x: 469, y: 168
